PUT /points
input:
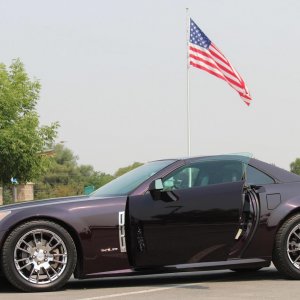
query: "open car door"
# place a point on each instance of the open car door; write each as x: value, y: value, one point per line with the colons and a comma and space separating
x: 193, y: 219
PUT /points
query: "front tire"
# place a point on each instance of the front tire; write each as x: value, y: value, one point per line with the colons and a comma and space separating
x: 286, y: 252
x: 39, y: 255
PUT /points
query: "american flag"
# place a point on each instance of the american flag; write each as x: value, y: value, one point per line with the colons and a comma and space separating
x: 203, y: 54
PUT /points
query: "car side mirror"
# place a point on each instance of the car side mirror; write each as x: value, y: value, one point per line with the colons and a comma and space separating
x: 156, y: 185
x: 158, y: 192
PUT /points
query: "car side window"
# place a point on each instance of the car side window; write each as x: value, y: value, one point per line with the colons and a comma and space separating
x: 256, y: 177
x: 182, y: 178
x: 204, y: 173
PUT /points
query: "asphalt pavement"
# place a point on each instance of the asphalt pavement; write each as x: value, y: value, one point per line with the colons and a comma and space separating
x: 264, y: 284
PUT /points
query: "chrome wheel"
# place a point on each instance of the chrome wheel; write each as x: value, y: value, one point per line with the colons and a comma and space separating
x: 40, y: 256
x: 286, y: 251
x: 293, y: 246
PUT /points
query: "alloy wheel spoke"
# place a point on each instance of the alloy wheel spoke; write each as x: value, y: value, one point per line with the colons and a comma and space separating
x: 58, y: 261
x: 297, y: 235
x: 38, y: 276
x: 53, y: 247
x: 24, y: 250
x: 24, y: 242
x: 21, y: 259
x: 297, y: 259
x: 293, y: 250
x: 25, y: 266
x: 52, y: 238
x: 53, y: 270
x: 34, y: 239
x: 31, y: 273
x: 48, y: 275
x: 33, y: 259
x: 60, y: 254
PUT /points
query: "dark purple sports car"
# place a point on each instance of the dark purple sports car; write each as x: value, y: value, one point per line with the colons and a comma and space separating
x: 213, y: 212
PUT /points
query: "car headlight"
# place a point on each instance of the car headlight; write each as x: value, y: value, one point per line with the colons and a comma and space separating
x: 3, y: 214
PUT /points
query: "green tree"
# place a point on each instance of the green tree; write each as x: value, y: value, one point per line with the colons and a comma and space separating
x: 22, y: 139
x: 66, y: 178
x: 295, y: 166
x: 124, y: 170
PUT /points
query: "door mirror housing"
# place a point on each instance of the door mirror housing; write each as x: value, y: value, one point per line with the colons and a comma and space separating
x: 158, y: 192
x: 156, y: 185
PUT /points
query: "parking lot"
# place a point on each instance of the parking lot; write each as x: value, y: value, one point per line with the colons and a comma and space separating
x: 265, y: 284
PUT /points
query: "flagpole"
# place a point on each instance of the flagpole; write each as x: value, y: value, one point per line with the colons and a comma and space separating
x: 188, y: 83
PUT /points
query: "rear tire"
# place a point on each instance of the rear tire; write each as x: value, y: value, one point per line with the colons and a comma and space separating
x: 286, y: 252
x: 38, y: 256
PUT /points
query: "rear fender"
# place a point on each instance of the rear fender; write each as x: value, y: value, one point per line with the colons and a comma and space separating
x: 282, y: 212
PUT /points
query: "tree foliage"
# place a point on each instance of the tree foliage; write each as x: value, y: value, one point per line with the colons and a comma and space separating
x: 65, y: 177
x: 22, y: 139
x: 23, y: 142
x: 295, y: 166
x: 124, y: 170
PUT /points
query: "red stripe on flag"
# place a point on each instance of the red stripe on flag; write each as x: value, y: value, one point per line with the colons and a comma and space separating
x: 213, y: 65
x: 207, y: 70
x: 209, y: 55
x: 213, y: 61
x: 196, y: 57
x: 216, y: 55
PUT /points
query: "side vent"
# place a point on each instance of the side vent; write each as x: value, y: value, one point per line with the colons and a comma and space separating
x: 122, y: 231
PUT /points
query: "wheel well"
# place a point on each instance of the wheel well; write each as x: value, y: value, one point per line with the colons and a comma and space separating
x: 289, y: 215
x: 71, y: 231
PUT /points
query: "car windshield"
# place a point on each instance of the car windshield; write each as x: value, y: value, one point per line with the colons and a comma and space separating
x: 126, y: 183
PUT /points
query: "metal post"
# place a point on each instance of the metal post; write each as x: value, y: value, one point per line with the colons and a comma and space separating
x: 188, y: 82
x: 188, y: 108
x: 15, y: 193
x: 1, y: 195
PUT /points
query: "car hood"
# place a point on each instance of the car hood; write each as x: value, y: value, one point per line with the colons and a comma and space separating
x: 52, y: 201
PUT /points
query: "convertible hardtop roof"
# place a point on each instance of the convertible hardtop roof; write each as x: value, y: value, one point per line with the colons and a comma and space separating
x: 279, y: 174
